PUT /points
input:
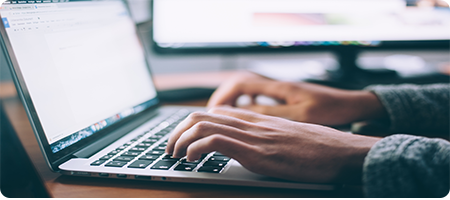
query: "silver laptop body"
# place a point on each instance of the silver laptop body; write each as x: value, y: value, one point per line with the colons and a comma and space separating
x: 82, y: 75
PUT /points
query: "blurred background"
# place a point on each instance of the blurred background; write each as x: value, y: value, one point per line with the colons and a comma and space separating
x: 282, y: 54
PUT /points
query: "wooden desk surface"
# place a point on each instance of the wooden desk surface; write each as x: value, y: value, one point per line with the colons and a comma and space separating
x: 58, y: 185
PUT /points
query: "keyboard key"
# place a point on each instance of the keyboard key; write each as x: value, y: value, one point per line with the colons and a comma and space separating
x: 218, y: 154
x: 150, y: 140
x: 140, y: 164
x: 156, y: 137
x: 138, y: 137
x: 163, y: 132
x: 133, y: 140
x: 151, y: 157
x: 98, y: 162
x: 116, y: 164
x: 155, y: 153
x: 137, y: 149
x: 219, y: 158
x: 164, y: 165
x: 160, y: 148
x: 215, y: 163
x: 209, y: 169
x: 193, y: 162
x: 185, y: 167
x: 131, y: 154
x: 164, y: 144
x: 169, y: 157
x: 173, y: 125
x: 114, y: 152
x: 203, y: 156
x: 144, y: 145
x: 107, y: 157
x: 121, y: 148
x: 124, y: 158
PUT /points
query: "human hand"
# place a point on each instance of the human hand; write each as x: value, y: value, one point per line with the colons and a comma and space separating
x: 273, y: 146
x: 304, y: 102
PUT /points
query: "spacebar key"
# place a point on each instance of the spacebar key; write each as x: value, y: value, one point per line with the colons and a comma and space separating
x: 164, y: 164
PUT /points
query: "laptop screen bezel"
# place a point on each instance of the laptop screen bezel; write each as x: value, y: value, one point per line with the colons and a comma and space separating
x: 55, y: 159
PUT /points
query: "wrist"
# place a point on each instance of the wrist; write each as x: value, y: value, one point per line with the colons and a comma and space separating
x: 354, y: 156
x: 368, y: 106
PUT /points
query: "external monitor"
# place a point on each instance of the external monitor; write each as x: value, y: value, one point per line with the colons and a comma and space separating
x: 344, y: 27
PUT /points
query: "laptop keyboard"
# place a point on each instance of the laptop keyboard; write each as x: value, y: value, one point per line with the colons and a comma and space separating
x: 146, y: 151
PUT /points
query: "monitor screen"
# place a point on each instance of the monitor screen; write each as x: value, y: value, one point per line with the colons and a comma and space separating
x: 196, y: 24
x: 82, y: 64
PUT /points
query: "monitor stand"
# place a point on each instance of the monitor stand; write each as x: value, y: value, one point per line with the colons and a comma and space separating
x: 350, y: 76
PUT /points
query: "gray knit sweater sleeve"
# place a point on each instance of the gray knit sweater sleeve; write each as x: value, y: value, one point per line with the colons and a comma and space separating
x: 413, y: 108
x: 407, y: 166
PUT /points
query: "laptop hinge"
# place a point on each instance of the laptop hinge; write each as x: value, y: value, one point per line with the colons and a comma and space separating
x: 95, y: 147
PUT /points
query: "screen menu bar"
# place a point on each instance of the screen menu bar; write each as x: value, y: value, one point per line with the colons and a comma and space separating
x: 33, y: 1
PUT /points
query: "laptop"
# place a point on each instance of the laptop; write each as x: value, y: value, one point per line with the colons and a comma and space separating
x: 82, y: 75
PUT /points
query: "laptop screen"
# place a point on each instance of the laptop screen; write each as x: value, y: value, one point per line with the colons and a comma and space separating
x: 82, y: 63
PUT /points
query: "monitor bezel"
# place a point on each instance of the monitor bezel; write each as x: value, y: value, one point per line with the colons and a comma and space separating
x: 384, y: 46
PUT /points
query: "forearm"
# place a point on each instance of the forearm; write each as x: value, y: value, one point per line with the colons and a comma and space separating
x: 407, y: 166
